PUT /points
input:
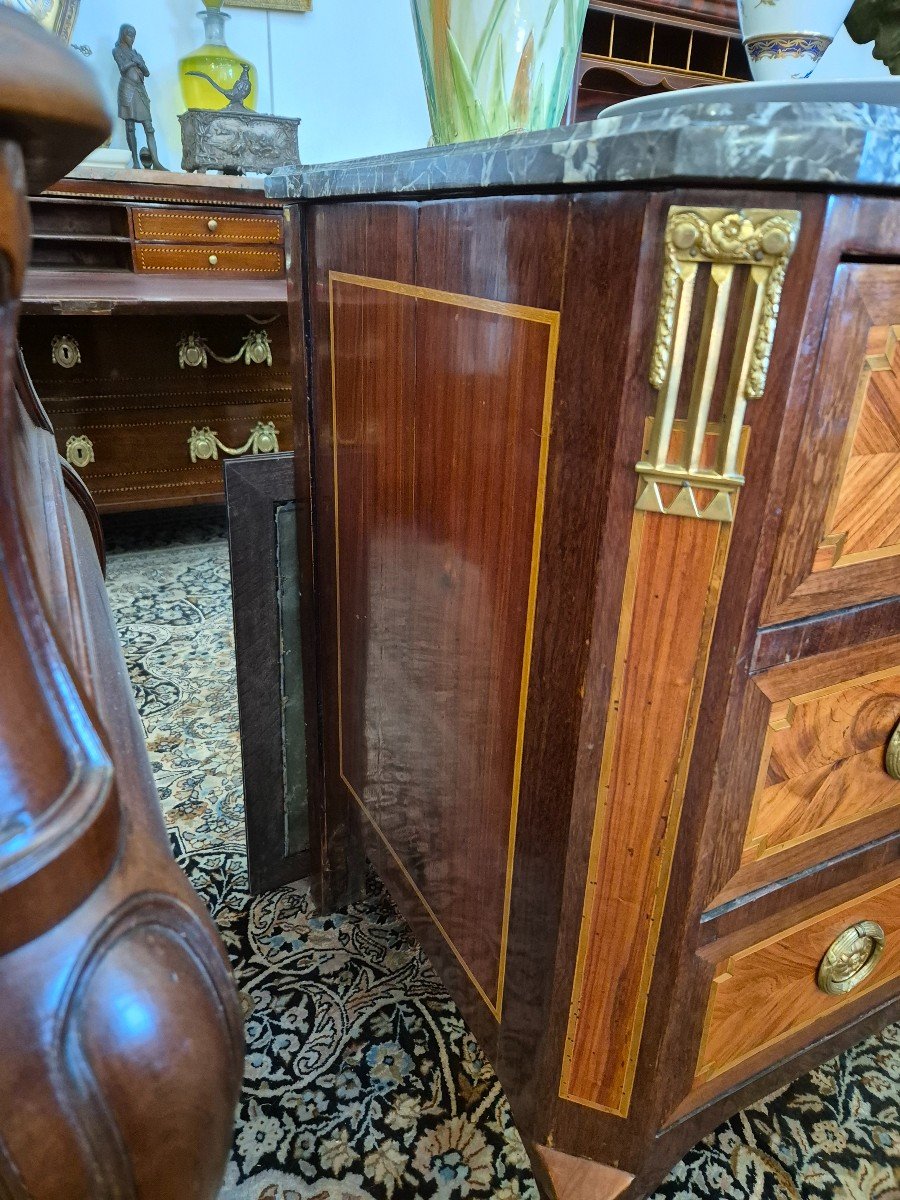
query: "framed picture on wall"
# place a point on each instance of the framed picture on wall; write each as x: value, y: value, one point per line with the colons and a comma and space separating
x: 56, y: 16
x: 273, y: 5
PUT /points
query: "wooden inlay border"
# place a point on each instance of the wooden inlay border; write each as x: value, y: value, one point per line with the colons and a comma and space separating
x: 671, y: 595
x: 551, y: 319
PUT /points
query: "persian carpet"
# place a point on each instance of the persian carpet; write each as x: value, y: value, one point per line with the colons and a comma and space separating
x: 362, y: 1081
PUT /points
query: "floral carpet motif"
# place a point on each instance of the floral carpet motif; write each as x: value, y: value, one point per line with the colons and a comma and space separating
x: 362, y: 1081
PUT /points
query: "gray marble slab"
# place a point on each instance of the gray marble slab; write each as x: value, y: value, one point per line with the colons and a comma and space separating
x: 806, y: 142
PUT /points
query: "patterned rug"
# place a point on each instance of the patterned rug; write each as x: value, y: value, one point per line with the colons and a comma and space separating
x: 362, y: 1081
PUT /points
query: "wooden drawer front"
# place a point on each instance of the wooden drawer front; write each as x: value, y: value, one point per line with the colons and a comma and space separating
x: 814, y: 734
x: 224, y: 260
x: 823, y: 764
x: 840, y: 538
x: 765, y: 993
x: 142, y: 454
x: 189, y: 225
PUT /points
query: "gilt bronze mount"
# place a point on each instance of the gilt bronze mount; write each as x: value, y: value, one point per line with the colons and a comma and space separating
x: 762, y: 240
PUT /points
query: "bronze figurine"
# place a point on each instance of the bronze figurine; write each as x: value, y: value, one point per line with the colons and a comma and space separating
x: 134, y: 103
x: 234, y: 95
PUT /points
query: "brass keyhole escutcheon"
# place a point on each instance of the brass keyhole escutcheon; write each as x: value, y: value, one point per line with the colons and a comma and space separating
x: 80, y: 451
x: 892, y: 754
x: 66, y: 352
x: 851, y: 958
x: 212, y: 224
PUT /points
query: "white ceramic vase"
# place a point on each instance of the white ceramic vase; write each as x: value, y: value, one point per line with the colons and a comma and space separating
x: 785, y: 39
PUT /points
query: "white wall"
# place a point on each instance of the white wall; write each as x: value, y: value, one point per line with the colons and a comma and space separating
x: 349, y: 69
x: 845, y: 60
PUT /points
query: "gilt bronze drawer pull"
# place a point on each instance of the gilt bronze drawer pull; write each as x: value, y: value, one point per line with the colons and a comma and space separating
x: 255, y: 349
x: 892, y: 754
x: 212, y: 224
x: 213, y: 260
x: 79, y: 451
x: 851, y: 958
x: 205, y: 444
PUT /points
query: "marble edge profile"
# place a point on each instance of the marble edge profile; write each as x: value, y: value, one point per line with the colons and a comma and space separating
x: 832, y: 143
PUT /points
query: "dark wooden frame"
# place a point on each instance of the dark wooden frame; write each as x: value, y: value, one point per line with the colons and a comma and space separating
x: 255, y: 487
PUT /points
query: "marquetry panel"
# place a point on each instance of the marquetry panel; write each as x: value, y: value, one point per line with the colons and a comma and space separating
x: 768, y: 991
x: 840, y: 538
x: 441, y: 419
x: 864, y: 520
x: 823, y: 762
x: 658, y: 674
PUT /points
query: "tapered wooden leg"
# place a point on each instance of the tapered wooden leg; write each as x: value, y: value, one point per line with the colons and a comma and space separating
x: 572, y: 1178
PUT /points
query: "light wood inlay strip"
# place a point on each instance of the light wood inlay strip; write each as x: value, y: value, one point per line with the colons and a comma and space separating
x: 658, y: 675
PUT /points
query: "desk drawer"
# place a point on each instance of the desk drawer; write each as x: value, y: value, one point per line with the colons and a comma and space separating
x: 189, y: 225
x: 169, y: 455
x: 824, y: 762
x: 774, y: 988
x: 819, y: 782
x: 208, y: 259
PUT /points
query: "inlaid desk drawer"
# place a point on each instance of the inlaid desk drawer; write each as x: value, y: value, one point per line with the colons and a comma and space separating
x: 223, y: 260
x: 189, y: 225
x: 168, y: 452
x: 776, y: 987
x: 826, y: 780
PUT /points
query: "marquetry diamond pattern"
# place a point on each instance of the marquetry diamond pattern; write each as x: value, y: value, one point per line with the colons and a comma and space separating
x: 864, y: 519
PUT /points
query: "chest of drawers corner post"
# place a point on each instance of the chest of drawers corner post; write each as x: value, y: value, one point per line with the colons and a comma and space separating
x: 607, y: 526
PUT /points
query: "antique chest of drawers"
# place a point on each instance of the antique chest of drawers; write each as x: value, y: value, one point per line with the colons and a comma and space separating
x: 608, y: 589
x: 156, y: 330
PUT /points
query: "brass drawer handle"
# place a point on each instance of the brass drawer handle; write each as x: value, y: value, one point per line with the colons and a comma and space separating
x: 204, y: 443
x: 195, y: 351
x: 851, y: 958
x: 213, y: 259
x: 892, y: 754
x: 212, y: 224
x: 79, y: 451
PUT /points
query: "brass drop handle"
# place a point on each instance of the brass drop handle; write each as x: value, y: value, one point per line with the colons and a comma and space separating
x: 79, y: 451
x: 205, y: 444
x: 851, y: 958
x: 892, y: 754
x: 212, y: 224
x: 213, y: 259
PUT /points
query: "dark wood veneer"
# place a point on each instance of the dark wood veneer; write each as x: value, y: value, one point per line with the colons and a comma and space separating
x: 392, y: 362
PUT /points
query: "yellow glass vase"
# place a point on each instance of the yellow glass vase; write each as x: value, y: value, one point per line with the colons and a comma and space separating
x: 217, y: 60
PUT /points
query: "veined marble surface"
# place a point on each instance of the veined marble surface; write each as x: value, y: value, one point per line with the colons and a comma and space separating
x: 806, y: 142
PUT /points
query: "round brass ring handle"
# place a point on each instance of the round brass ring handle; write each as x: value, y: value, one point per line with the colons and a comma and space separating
x: 213, y: 259
x: 851, y: 958
x: 212, y: 224
x: 892, y: 754
x: 80, y: 451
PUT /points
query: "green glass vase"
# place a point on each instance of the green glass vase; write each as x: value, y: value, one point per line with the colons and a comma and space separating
x: 217, y: 60
x: 496, y: 66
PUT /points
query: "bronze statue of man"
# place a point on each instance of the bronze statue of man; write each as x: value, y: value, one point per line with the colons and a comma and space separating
x: 134, y: 103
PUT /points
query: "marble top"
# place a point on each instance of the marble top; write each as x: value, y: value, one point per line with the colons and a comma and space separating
x: 812, y: 142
